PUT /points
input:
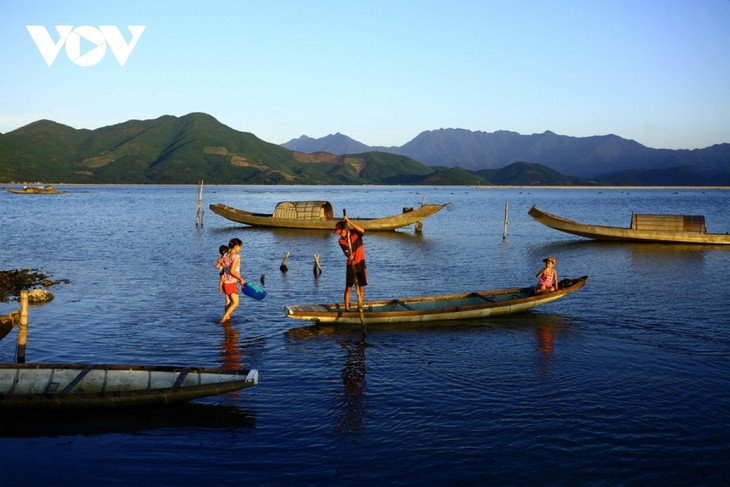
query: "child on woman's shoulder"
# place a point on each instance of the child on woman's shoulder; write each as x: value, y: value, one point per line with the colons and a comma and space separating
x: 220, y: 264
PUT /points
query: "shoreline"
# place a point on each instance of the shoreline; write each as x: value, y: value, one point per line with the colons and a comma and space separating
x: 486, y: 186
x: 725, y: 188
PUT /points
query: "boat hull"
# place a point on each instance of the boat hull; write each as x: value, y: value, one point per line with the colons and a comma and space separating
x: 58, y: 386
x: 369, y: 224
x: 34, y: 191
x: 446, y: 307
x: 600, y: 232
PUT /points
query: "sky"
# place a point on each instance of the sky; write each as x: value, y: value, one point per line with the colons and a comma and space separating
x: 379, y: 71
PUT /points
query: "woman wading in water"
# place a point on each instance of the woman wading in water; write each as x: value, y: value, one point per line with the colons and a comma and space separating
x: 232, y: 277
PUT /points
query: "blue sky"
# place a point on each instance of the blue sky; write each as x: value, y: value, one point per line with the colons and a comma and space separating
x: 383, y: 71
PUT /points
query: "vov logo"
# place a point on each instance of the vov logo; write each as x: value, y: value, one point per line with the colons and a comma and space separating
x: 96, y: 40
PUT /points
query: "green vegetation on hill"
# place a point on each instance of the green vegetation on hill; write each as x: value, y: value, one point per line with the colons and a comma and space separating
x: 528, y: 174
x: 185, y: 150
x: 182, y: 150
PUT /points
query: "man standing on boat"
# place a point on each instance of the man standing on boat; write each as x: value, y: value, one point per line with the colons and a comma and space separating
x: 352, y: 245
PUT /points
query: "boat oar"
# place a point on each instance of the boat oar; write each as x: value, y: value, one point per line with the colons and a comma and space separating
x: 354, y: 275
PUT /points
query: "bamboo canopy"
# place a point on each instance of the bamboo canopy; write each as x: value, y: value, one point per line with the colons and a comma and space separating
x: 304, y: 210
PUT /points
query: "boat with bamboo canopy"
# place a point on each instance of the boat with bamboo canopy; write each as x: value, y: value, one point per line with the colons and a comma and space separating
x: 684, y: 229
x: 318, y: 215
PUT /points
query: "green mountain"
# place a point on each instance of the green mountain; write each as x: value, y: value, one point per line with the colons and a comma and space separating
x: 182, y: 150
x: 185, y: 150
x: 529, y: 174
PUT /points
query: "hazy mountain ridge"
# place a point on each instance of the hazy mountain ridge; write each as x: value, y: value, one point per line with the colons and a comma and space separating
x: 586, y: 157
x: 334, y: 144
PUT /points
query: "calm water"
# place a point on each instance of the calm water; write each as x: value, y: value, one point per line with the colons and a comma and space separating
x: 624, y: 382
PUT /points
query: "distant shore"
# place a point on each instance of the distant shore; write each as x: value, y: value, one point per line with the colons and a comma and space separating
x: 601, y: 187
x: 481, y: 186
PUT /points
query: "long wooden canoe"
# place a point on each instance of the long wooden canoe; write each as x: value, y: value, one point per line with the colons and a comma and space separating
x: 34, y: 190
x: 686, y: 229
x: 48, y: 386
x: 318, y: 215
x: 436, y: 308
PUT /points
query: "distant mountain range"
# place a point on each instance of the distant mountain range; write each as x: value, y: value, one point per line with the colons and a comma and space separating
x: 597, y: 157
x: 194, y: 147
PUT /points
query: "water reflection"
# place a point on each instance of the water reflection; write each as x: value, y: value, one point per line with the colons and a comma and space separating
x: 91, y: 422
x: 349, y: 402
x: 230, y: 350
x: 545, y: 333
x: 546, y: 328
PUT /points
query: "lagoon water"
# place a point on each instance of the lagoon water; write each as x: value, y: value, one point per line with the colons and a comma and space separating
x: 625, y: 382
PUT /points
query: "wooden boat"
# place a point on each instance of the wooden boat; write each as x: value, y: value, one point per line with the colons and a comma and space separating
x: 435, y: 308
x: 34, y: 190
x: 318, y: 215
x: 686, y: 229
x: 47, y: 386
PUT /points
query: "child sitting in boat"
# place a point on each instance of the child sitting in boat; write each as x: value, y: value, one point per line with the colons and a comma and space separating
x: 547, y: 277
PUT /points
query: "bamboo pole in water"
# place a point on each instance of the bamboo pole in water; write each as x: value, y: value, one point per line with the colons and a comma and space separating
x: 506, y: 222
x: 22, y: 328
x: 199, y: 212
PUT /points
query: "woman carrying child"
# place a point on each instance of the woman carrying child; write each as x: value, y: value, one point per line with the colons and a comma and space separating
x: 231, y: 263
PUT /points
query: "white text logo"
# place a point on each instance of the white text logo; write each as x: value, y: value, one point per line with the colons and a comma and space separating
x: 96, y: 38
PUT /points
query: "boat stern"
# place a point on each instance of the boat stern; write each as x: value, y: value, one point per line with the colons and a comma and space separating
x: 253, y: 376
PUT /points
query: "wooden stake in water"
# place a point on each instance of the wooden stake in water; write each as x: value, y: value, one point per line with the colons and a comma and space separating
x: 283, y: 267
x: 199, y: 213
x: 506, y: 220
x: 22, y: 328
